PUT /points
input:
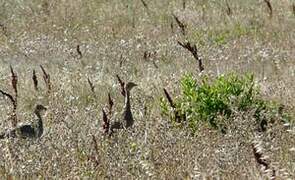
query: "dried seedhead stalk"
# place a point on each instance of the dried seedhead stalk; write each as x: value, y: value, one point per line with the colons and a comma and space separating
x: 35, y: 80
x: 269, y: 6
x: 79, y: 51
x: 228, y: 9
x: 95, y: 143
x: 46, y: 78
x: 145, y: 4
x: 106, y: 122
x: 172, y: 27
x: 14, y: 104
x: 183, y: 4
x: 111, y: 104
x: 180, y: 24
x: 122, y: 60
x: 122, y: 84
x: 178, y: 117
x: 45, y: 6
x: 193, y: 49
x: 148, y: 55
x: 95, y: 159
x: 92, y: 88
x: 10, y: 97
x: 261, y: 160
x: 169, y: 98
x: 4, y: 29
x: 14, y: 82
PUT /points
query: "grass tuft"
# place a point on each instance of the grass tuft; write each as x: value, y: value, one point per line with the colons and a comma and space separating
x: 209, y: 99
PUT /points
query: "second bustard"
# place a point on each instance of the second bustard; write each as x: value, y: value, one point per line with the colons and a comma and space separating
x: 127, y: 116
x: 34, y: 130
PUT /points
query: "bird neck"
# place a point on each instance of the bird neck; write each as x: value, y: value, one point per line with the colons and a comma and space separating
x: 127, y: 100
x: 40, y: 123
x: 127, y: 114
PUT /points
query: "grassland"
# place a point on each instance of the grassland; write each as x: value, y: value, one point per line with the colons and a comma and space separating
x: 138, y: 41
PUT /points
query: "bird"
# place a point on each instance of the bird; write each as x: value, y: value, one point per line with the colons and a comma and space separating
x: 34, y: 130
x: 127, y: 117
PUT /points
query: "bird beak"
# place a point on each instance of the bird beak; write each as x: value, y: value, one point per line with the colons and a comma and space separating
x: 134, y: 85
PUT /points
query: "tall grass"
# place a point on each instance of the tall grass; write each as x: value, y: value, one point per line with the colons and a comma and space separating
x: 83, y: 45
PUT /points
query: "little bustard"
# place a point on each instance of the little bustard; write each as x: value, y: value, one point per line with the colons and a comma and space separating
x: 34, y: 130
x: 127, y: 116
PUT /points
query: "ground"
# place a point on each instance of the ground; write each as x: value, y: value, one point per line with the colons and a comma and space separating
x: 138, y: 40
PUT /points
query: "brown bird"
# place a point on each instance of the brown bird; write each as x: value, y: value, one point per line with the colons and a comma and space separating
x: 127, y: 116
x: 34, y: 130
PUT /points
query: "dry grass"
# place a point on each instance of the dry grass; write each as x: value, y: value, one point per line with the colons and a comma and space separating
x: 81, y: 47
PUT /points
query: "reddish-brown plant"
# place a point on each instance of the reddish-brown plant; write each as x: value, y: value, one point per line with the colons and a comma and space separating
x: 269, y: 6
x: 46, y: 78
x: 261, y: 161
x: 144, y: 4
x: 180, y: 24
x: 14, y: 104
x: 79, y: 51
x: 122, y: 84
x: 14, y: 80
x: 106, y: 122
x: 92, y: 88
x: 193, y: 49
x: 228, y: 9
x: 178, y: 117
x: 35, y: 80
x: 95, y: 158
x: 111, y: 104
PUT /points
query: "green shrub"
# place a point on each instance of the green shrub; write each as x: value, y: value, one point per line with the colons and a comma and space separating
x: 206, y: 100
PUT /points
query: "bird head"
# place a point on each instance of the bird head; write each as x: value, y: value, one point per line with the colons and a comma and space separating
x: 129, y: 86
x: 40, y: 108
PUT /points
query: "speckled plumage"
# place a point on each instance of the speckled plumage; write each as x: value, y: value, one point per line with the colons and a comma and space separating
x: 27, y: 131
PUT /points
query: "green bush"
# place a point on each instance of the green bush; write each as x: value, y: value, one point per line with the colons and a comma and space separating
x: 206, y: 100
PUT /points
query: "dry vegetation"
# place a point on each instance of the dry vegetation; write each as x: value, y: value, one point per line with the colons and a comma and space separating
x: 81, y: 47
